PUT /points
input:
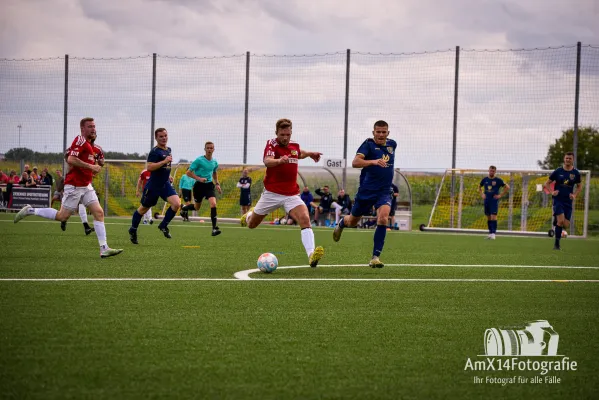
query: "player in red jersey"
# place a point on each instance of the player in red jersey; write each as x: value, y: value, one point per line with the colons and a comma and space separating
x: 281, y: 157
x: 78, y: 188
x: 144, y: 177
x: 99, y: 159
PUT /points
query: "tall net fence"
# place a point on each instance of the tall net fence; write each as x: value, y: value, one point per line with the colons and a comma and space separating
x: 31, y: 104
x: 413, y: 93
x: 309, y: 90
x: 200, y: 100
x: 118, y: 94
x: 512, y: 105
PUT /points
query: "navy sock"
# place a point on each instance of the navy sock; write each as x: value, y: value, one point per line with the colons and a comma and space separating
x: 490, y: 225
x: 168, y: 216
x: 494, y: 226
x: 213, y: 217
x: 558, y: 234
x: 136, y: 220
x: 379, y: 239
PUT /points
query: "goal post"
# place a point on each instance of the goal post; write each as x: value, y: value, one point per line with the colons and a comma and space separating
x: 525, y: 210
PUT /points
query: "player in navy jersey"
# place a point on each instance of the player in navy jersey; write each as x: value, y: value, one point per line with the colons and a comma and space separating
x: 376, y: 157
x: 489, y: 191
x: 566, y: 178
x: 159, y: 186
x: 245, y: 193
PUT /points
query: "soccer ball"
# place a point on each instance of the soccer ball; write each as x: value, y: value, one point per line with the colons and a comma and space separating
x: 267, y: 262
x: 564, y: 234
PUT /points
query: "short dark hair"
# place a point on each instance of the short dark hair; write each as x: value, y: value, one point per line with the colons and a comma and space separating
x: 84, y: 120
x: 380, y: 123
x: 570, y: 153
x: 157, y: 131
x: 283, y: 123
x: 207, y: 143
x: 493, y: 167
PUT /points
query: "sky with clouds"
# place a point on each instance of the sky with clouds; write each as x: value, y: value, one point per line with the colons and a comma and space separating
x: 512, y: 104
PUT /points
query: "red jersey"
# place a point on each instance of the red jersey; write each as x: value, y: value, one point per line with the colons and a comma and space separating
x: 145, y: 177
x: 4, y: 178
x: 16, y: 179
x: 98, y: 152
x: 282, y: 179
x: 83, y: 150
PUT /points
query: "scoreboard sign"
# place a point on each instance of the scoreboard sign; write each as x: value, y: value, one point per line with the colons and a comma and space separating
x: 35, y: 197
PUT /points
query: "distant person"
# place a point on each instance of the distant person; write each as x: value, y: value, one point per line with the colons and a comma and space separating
x: 307, y: 198
x: 45, y: 179
x: 245, y: 194
x: 326, y: 200
x: 394, y: 197
x: 567, y: 187
x: 49, y: 177
x: 204, y: 170
x: 159, y: 186
x: 489, y: 191
x: 342, y: 205
x: 186, y: 188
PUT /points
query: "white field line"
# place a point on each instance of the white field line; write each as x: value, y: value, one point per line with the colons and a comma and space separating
x: 245, y: 275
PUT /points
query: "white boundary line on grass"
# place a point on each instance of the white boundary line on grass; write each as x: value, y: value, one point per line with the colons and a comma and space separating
x: 245, y: 275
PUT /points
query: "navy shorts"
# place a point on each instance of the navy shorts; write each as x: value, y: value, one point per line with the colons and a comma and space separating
x: 150, y: 196
x: 491, y: 206
x: 245, y: 199
x: 363, y: 203
x: 562, y: 208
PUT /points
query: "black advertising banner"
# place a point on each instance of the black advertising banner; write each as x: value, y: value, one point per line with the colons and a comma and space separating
x: 36, y: 197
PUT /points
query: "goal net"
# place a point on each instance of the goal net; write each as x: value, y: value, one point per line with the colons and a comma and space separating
x: 525, y: 210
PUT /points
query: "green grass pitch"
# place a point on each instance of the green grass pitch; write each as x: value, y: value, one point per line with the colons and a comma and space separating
x: 337, y: 331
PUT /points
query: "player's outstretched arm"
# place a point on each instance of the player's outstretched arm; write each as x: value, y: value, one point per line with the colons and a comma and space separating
x: 312, y: 154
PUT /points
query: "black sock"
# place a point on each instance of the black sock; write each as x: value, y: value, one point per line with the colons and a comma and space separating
x: 86, y: 225
x: 189, y: 207
x: 213, y: 217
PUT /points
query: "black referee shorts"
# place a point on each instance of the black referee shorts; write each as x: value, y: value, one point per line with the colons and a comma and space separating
x: 186, y: 195
x: 203, y: 190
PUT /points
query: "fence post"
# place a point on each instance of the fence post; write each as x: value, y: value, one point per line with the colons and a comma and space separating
x: 345, y: 126
x: 247, y: 102
x: 455, y: 129
x: 106, y: 184
x: 153, y: 101
x: 575, y: 135
x: 66, y: 110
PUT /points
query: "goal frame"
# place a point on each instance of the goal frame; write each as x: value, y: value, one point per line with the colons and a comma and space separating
x: 457, y: 174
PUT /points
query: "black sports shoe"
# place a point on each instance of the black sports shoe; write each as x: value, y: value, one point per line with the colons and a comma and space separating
x: 216, y: 231
x: 165, y: 232
x: 63, y: 225
x: 133, y: 235
x: 88, y: 229
x: 556, y: 247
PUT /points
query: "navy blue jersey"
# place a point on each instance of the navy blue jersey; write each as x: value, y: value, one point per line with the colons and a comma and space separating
x: 243, y: 181
x: 375, y: 178
x: 159, y: 176
x: 491, y: 186
x: 564, y: 183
